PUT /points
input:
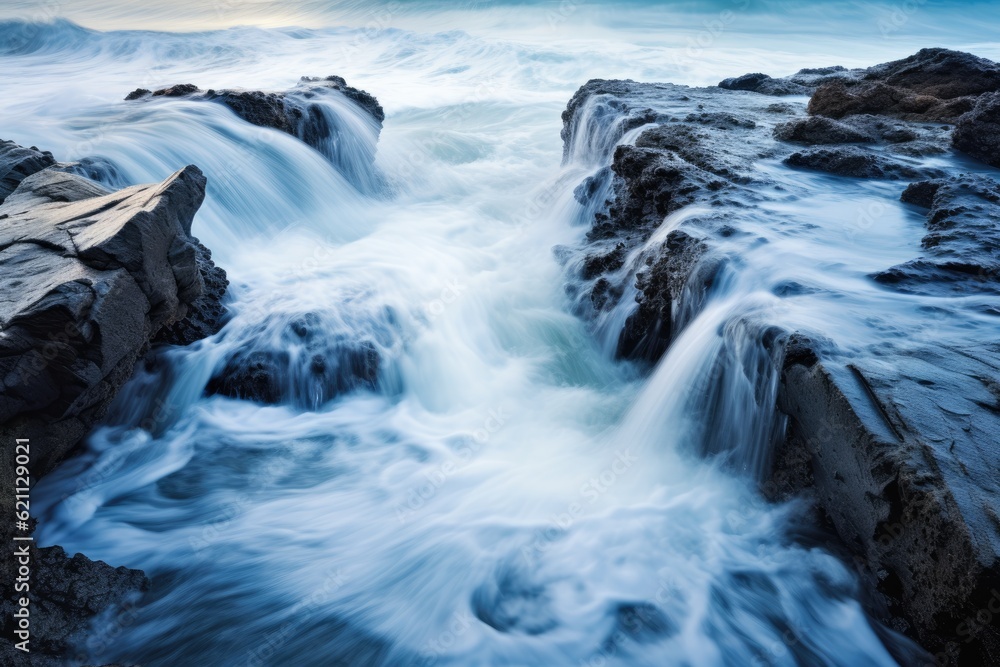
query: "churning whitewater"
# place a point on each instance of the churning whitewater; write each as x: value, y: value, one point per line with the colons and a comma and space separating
x: 505, y: 492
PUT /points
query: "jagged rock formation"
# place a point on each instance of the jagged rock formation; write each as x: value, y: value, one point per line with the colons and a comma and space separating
x: 92, y: 278
x: 703, y: 158
x: 935, y: 85
x: 900, y: 452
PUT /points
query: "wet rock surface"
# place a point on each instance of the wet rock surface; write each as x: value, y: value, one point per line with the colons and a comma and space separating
x: 901, y: 454
x: 17, y: 163
x: 288, y: 111
x: 697, y: 150
x: 961, y: 246
x: 803, y: 82
x: 75, y: 604
x: 764, y: 84
x: 649, y: 330
x: 859, y: 163
x: 92, y: 278
x: 306, y: 359
x: 896, y: 443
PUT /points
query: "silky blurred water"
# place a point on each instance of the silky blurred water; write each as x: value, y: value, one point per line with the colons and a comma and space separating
x: 508, y: 494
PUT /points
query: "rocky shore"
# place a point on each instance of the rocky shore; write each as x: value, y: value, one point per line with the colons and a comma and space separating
x: 897, y: 446
x: 93, y: 278
x: 96, y: 278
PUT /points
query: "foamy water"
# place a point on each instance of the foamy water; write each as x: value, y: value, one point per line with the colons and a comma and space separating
x: 508, y: 494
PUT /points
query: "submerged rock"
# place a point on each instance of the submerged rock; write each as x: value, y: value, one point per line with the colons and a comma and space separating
x: 858, y: 163
x: 299, y: 362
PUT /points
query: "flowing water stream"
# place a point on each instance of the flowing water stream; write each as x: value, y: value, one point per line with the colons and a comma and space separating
x: 507, y: 493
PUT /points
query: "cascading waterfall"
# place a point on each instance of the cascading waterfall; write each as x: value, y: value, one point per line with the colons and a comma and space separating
x: 503, y: 492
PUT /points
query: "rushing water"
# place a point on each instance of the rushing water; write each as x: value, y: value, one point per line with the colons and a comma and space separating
x: 507, y: 494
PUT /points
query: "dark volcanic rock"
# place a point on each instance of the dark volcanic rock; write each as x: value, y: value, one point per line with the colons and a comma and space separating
x: 137, y: 94
x: 302, y: 365
x: 677, y: 268
x: 206, y: 313
x: 764, y: 84
x: 962, y: 246
x: 177, y: 90
x: 820, y: 130
x: 91, y: 277
x: 977, y: 132
x: 256, y: 107
x: 935, y: 85
x: 896, y: 439
x: 312, y: 111
x: 17, y: 163
x: 702, y: 153
x: 282, y: 110
x: 67, y: 594
x: 859, y: 163
x: 903, y: 459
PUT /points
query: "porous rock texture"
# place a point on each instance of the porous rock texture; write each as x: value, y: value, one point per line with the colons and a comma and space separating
x: 937, y: 85
x: 901, y: 453
x: 977, y: 132
x: 78, y: 606
x: 303, y: 365
x: 934, y: 85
